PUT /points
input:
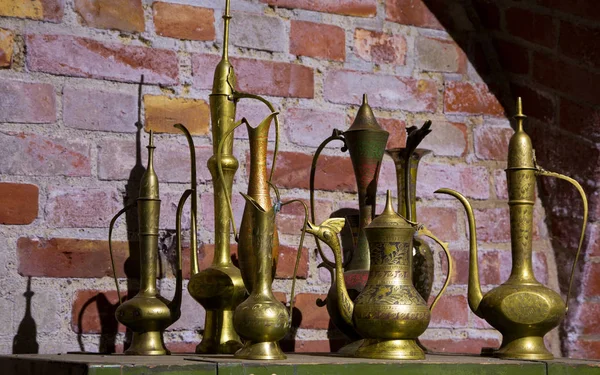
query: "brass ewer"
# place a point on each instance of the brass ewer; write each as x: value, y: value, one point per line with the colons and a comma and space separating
x: 365, y: 141
x: 389, y: 313
x: 522, y: 309
x: 219, y: 288
x: 147, y: 314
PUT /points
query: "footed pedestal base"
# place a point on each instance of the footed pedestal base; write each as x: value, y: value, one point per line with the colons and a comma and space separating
x: 147, y: 343
x: 530, y: 347
x: 260, y: 350
x: 390, y: 349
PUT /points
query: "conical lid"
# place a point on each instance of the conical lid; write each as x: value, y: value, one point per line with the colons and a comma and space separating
x: 389, y: 218
x: 365, y: 119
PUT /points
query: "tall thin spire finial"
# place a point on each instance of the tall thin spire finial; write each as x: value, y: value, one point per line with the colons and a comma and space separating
x: 226, y: 19
x: 520, y: 116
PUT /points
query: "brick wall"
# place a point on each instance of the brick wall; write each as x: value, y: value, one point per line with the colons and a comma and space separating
x: 69, y: 107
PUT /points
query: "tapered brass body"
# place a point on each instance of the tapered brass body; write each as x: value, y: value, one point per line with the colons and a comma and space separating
x: 365, y: 141
x: 219, y: 288
x: 389, y: 313
x: 147, y: 314
x: 522, y: 309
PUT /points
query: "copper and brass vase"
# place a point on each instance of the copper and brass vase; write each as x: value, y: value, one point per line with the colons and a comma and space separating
x: 389, y: 313
x: 522, y: 309
x: 365, y: 141
x: 147, y: 314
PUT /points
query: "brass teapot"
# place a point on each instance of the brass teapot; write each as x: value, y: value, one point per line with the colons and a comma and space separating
x: 147, y: 314
x: 522, y: 309
x: 389, y: 313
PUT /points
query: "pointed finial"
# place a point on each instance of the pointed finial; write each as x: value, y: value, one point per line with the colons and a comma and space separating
x: 151, y: 143
x: 388, y: 203
x: 226, y: 18
x: 365, y: 99
x: 520, y: 116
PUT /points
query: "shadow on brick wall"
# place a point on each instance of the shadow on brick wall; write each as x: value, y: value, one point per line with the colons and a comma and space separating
x: 25, y: 341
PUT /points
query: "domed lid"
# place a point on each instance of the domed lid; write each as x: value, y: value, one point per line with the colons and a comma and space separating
x: 365, y: 119
x: 389, y: 218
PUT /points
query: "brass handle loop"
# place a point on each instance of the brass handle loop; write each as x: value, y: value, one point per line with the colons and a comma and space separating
x: 423, y: 231
x: 112, y: 259
x: 542, y: 172
x: 337, y: 135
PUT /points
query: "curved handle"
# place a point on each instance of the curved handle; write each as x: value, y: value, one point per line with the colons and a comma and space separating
x: 242, y: 95
x: 337, y: 135
x: 300, y: 245
x: 542, y: 172
x: 112, y: 258
x: 194, y: 209
x: 175, y: 304
x: 423, y: 231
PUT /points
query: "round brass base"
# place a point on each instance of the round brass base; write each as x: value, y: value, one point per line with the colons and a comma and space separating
x: 390, y: 349
x: 147, y: 343
x: 219, y: 336
x: 260, y: 350
x: 530, y: 347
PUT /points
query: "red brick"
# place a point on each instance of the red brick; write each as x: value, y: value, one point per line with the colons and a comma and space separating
x: 466, y: 345
x: 397, y: 130
x: 536, y: 103
x: 27, y: 102
x: 591, y: 282
x: 334, y: 173
x: 6, y: 48
x: 316, y: 346
x: 580, y: 119
x: 491, y: 143
x: 593, y: 236
x: 183, y: 21
x: 493, y: 225
x: 440, y: 55
x: 567, y: 78
x: 37, y: 155
x: 48, y: 10
x: 411, y: 12
x: 470, y: 180
x: 580, y: 42
x: 447, y: 138
x: 390, y: 92
x: 358, y: 8
x: 287, y: 261
x: 291, y: 217
x: 68, y: 257
x: 584, y: 349
x: 124, y: 15
x: 471, y: 98
x: 206, y: 217
x: 92, y: 109
x: 317, y: 40
x: 379, y: 47
x: 489, y: 267
x: 178, y: 347
x: 530, y: 26
x: 489, y: 13
x: 93, y: 311
x: 441, y: 221
x: 162, y: 112
x: 310, y: 127
x: 582, y: 8
x: 268, y: 33
x: 311, y: 316
x: 18, y: 203
x: 69, y: 207
x: 117, y: 159
x: 203, y: 69
x: 512, y: 57
x: 93, y: 59
x: 500, y: 184
x: 450, y: 312
x: 589, y: 312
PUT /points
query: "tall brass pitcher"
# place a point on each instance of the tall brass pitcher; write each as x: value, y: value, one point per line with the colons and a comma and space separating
x: 365, y: 140
x: 219, y: 289
x: 147, y: 314
x: 522, y: 309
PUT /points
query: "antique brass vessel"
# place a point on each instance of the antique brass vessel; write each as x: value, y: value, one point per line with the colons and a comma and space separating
x: 365, y: 141
x: 406, y: 160
x: 389, y: 313
x: 219, y: 288
x: 522, y: 309
x: 147, y: 314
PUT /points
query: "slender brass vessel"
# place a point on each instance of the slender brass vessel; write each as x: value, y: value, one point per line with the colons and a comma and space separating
x: 406, y: 159
x: 522, y: 309
x: 389, y: 313
x: 219, y: 288
x: 147, y: 314
x: 365, y: 141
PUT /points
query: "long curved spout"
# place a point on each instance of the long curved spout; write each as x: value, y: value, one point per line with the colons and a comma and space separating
x: 328, y: 233
x: 474, y: 290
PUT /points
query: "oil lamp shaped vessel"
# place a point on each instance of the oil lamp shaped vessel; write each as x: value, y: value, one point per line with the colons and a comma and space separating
x: 522, y: 309
x: 389, y: 313
x: 147, y: 314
